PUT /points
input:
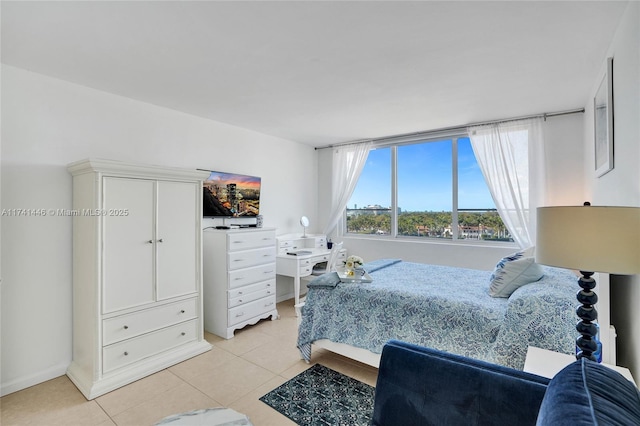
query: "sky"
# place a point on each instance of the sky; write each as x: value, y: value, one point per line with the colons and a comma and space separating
x: 424, y: 178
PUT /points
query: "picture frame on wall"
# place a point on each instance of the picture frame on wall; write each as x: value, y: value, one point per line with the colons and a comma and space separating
x: 603, y: 122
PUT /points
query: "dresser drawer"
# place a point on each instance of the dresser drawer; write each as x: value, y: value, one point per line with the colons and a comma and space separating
x: 242, y: 277
x: 126, y: 326
x: 254, y: 239
x: 250, y: 297
x: 243, y: 291
x: 246, y: 258
x: 129, y: 351
x: 251, y: 309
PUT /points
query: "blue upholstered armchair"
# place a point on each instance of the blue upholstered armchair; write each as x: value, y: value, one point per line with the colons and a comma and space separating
x: 422, y: 386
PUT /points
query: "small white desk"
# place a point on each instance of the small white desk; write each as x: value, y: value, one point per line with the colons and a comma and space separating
x: 547, y: 363
x: 300, y: 266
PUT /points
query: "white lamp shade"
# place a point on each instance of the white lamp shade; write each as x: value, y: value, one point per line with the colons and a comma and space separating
x: 589, y: 238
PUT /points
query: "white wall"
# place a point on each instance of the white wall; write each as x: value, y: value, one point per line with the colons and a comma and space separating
x: 48, y: 123
x: 564, y: 152
x: 621, y: 186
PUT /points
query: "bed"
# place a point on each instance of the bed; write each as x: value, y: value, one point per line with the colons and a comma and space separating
x: 441, y: 307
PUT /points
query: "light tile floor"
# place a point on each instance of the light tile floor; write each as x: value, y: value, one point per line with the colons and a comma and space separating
x: 235, y: 373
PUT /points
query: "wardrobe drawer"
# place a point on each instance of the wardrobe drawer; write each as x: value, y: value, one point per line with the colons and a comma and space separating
x: 247, y: 240
x: 243, y: 291
x: 126, y: 326
x: 132, y: 350
x: 251, y: 275
x: 251, y: 309
x: 247, y: 258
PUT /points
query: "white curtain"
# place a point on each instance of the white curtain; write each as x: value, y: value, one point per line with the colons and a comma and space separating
x: 511, y: 156
x: 348, y: 162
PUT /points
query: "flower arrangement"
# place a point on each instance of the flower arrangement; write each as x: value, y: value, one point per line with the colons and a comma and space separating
x: 352, y: 263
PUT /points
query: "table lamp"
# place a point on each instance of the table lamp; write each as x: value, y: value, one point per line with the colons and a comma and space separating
x: 589, y: 239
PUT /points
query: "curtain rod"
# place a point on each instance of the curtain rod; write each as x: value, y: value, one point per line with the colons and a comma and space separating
x: 426, y: 133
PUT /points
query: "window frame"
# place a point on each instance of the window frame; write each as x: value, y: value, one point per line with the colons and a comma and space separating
x: 393, y: 145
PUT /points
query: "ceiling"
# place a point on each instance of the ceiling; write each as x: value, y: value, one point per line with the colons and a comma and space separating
x: 322, y: 72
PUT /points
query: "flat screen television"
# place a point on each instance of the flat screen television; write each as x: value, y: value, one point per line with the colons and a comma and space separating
x: 231, y: 195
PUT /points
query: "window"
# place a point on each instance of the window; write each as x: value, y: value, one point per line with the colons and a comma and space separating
x: 420, y: 190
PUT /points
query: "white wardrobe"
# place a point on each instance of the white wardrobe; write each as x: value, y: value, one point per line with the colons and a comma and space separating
x: 137, y: 275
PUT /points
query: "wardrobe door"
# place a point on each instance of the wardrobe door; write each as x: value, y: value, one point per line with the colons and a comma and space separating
x: 128, y: 238
x: 177, y: 241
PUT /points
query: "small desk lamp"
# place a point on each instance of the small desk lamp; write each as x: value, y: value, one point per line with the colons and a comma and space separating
x: 588, y: 238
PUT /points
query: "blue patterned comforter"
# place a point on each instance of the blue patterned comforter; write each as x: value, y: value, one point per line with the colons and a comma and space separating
x: 445, y: 308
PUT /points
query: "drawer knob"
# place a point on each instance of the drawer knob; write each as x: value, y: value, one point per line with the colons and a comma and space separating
x: 183, y: 333
x: 161, y: 240
x: 126, y: 353
x: 126, y: 327
x: 239, y: 300
x: 182, y: 311
x: 239, y: 292
x: 150, y: 241
x: 239, y: 314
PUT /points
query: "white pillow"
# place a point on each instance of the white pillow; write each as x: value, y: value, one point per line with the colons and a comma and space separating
x: 514, y: 271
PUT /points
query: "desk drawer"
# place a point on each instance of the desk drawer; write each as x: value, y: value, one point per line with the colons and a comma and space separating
x: 319, y: 259
x: 306, y: 270
x: 242, y: 277
x: 127, y: 326
x: 254, y: 239
x: 246, y: 258
x: 132, y: 350
x: 251, y: 309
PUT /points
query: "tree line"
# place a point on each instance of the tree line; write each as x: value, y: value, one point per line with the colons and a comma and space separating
x: 434, y: 224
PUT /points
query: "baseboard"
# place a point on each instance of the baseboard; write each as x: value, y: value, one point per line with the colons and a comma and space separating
x: 34, y: 379
x: 284, y: 297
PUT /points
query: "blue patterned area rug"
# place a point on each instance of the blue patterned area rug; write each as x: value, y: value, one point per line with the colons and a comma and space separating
x: 322, y: 396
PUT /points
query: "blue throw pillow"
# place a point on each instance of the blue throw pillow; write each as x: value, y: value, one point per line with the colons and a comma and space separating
x: 588, y: 393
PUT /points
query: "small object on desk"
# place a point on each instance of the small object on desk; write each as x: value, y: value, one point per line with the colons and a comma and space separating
x: 222, y: 227
x: 299, y: 252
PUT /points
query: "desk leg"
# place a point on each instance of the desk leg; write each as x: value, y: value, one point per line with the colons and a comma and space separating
x: 296, y: 291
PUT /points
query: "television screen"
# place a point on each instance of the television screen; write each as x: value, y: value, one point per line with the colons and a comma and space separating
x: 231, y: 195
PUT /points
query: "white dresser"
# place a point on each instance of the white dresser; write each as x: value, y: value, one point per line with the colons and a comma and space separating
x: 137, y: 304
x: 239, y: 267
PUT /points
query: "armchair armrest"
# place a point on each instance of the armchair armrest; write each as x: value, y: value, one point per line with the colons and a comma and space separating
x: 422, y: 386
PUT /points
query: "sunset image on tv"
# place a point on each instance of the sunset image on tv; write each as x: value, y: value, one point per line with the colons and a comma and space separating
x: 231, y: 195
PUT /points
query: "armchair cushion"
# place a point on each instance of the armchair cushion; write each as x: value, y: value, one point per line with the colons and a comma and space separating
x: 587, y: 393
